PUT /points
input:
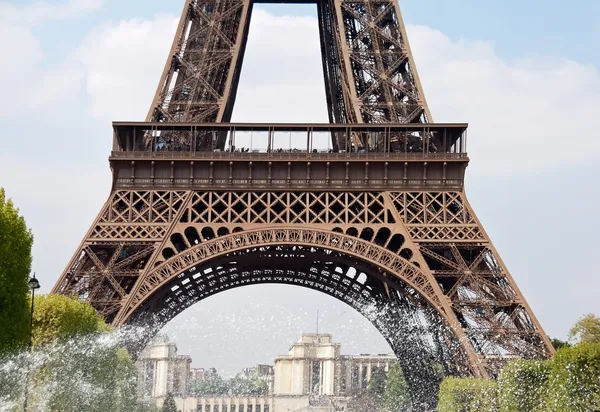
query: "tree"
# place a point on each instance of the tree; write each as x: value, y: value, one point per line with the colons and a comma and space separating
x: 396, y: 396
x: 58, y: 318
x: 557, y: 343
x: 241, y: 385
x: 468, y: 395
x: 213, y: 385
x: 169, y: 404
x: 574, y: 381
x: 76, y: 365
x: 586, y: 330
x: 377, y: 383
x: 16, y: 241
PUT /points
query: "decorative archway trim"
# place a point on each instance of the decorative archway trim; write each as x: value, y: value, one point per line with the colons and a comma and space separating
x: 391, y: 263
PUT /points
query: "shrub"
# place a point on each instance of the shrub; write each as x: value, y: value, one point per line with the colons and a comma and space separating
x: 522, y: 386
x: 468, y: 395
x: 574, y: 383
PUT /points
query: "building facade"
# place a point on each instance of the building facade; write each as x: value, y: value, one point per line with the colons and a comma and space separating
x: 312, y: 376
x: 161, y: 370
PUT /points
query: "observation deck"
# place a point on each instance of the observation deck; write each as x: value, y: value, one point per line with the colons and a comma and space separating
x: 239, y: 156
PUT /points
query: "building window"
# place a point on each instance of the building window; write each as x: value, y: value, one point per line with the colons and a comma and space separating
x: 315, y: 384
x: 233, y: 408
x: 364, y: 379
x: 355, y: 377
x: 257, y: 408
x: 149, y: 378
x: 266, y: 408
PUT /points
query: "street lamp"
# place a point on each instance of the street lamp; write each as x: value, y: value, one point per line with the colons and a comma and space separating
x: 33, y: 285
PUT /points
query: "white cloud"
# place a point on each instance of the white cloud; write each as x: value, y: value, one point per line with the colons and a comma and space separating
x: 25, y: 80
x: 37, y: 12
x: 123, y: 63
x: 525, y: 115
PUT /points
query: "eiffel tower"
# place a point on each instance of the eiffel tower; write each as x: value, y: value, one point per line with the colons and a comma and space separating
x: 369, y: 208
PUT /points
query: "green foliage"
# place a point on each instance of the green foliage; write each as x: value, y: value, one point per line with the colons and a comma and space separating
x: 214, y: 385
x: 15, y: 266
x: 386, y: 392
x: 522, y: 386
x: 396, y: 397
x: 569, y: 382
x: 468, y: 395
x: 60, y: 318
x: 363, y: 402
x: 169, y: 404
x: 557, y: 343
x: 574, y: 383
x: 241, y: 385
x: 90, y: 377
x: 94, y: 373
x: 586, y: 330
x: 74, y: 365
x: 238, y: 385
x: 377, y: 382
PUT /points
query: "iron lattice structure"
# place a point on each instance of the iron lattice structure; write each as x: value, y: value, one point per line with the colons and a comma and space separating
x: 378, y: 220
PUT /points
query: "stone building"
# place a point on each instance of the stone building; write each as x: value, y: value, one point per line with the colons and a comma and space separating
x: 312, y: 376
x: 201, y: 374
x: 315, y: 375
x: 263, y: 372
x: 161, y: 370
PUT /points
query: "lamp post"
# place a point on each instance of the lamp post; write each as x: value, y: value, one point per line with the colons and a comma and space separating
x: 33, y: 285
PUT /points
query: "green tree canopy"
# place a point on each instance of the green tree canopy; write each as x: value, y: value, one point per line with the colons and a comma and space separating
x: 169, y: 404
x: 396, y: 396
x: 16, y: 241
x: 377, y: 383
x: 468, y: 395
x: 60, y: 318
x: 241, y: 385
x: 214, y: 385
x: 557, y: 343
x: 586, y: 330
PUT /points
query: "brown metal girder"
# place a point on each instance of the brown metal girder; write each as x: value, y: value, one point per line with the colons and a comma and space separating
x: 378, y: 59
x: 162, y: 84
x: 413, y: 66
x: 187, y: 199
x: 347, y: 66
x: 549, y: 348
x: 63, y: 277
x: 455, y: 325
x: 236, y: 64
x: 354, y: 251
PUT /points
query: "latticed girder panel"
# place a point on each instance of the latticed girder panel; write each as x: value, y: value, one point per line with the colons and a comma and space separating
x: 369, y: 71
x: 201, y: 74
x: 433, y: 236
x: 385, y: 86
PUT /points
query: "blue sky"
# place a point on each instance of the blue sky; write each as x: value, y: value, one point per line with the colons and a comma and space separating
x: 524, y: 75
x: 549, y: 28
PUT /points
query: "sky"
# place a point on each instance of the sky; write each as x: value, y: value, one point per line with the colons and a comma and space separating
x: 524, y: 75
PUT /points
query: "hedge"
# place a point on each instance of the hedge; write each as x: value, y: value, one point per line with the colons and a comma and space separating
x: 570, y: 382
x: 574, y: 383
x: 468, y: 395
x: 522, y: 386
